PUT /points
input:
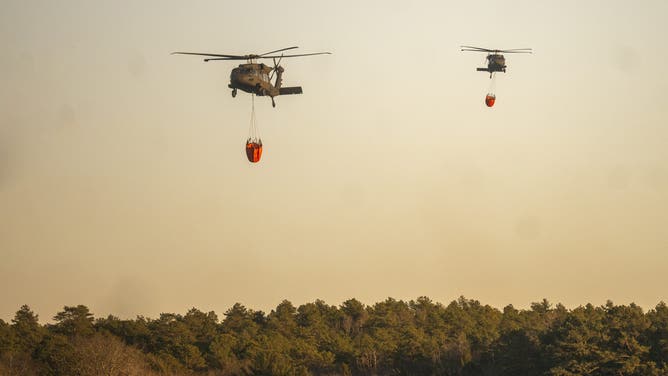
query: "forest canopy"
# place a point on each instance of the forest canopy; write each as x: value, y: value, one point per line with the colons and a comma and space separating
x: 392, y: 337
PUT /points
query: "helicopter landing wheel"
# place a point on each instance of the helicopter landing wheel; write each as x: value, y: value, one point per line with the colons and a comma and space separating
x: 234, y: 92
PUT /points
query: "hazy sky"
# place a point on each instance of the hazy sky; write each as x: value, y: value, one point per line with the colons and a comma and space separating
x: 124, y: 185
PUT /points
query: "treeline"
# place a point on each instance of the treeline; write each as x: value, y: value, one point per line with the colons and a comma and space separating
x: 392, y: 337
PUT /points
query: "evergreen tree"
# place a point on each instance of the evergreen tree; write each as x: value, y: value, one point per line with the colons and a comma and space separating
x: 74, y: 321
x: 27, y: 332
x: 657, y: 335
x: 392, y: 337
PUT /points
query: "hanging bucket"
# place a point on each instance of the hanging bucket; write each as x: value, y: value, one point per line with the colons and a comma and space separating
x: 254, y: 150
x: 490, y: 99
x: 254, y: 142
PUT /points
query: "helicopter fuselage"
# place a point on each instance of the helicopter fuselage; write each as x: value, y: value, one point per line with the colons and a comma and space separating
x: 495, y: 63
x: 253, y: 78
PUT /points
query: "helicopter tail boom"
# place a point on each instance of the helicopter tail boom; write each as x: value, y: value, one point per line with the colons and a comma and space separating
x: 290, y: 90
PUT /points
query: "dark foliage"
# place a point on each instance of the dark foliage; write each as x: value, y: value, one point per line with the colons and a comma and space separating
x: 392, y: 337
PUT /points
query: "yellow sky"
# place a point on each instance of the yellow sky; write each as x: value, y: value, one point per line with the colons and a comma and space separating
x: 124, y: 185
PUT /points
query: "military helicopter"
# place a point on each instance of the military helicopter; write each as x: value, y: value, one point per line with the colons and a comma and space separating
x: 495, y: 61
x: 254, y: 77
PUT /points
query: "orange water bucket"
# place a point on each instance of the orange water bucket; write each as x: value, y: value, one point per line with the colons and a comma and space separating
x: 254, y: 150
x: 490, y: 99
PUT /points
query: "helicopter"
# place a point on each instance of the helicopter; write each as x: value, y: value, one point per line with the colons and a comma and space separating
x: 254, y: 77
x: 495, y: 60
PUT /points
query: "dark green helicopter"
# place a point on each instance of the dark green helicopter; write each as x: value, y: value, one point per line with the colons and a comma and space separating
x: 495, y: 60
x: 254, y: 77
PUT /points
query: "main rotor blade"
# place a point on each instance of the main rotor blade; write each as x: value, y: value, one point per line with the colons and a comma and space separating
x: 282, y: 56
x: 225, y: 58
x: 282, y: 49
x: 214, y: 55
x: 516, y: 52
x: 476, y: 49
